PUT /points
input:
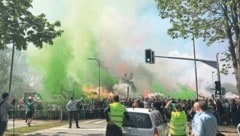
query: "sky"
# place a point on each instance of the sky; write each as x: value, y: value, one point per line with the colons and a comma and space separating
x: 121, y: 30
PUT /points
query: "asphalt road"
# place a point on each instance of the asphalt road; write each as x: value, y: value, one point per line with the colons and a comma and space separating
x: 91, y: 127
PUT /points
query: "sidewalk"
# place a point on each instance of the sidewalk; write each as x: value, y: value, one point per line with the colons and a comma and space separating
x: 62, y: 130
x: 21, y: 123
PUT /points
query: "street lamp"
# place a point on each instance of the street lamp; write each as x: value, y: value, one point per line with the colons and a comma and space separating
x: 98, y: 75
x: 195, y: 66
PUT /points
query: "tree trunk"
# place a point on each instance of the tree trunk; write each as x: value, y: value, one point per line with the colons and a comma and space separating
x: 237, y: 64
x: 237, y: 75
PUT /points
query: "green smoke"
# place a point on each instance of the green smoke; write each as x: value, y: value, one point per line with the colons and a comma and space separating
x: 183, y: 92
x: 57, y: 68
x: 66, y: 73
x: 64, y: 67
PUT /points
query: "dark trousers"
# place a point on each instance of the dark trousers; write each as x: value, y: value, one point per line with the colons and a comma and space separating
x: 3, y: 126
x: 113, y: 130
x: 73, y: 115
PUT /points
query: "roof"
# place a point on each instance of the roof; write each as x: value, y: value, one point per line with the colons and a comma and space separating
x: 140, y: 110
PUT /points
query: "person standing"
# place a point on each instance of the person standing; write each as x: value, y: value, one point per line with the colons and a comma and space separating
x: 72, y: 108
x: 4, y: 108
x: 204, y: 123
x: 196, y: 111
x: 30, y: 109
x: 114, y: 116
x: 178, y: 120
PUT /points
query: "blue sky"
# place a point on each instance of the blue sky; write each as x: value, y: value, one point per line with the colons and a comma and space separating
x: 126, y: 28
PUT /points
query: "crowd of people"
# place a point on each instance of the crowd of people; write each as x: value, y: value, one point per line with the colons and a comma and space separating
x: 221, y: 111
x: 202, y: 116
x: 226, y: 111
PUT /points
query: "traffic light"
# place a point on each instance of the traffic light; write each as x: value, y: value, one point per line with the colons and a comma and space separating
x: 217, y: 88
x: 153, y: 57
x: 149, y: 56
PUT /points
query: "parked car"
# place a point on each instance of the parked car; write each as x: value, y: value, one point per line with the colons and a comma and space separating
x: 143, y: 122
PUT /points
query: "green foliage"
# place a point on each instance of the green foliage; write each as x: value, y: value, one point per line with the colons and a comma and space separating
x: 20, y: 79
x: 18, y: 26
x: 201, y: 19
x: 212, y: 20
x: 4, y: 64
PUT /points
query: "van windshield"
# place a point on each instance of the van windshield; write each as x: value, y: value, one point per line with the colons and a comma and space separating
x: 136, y: 120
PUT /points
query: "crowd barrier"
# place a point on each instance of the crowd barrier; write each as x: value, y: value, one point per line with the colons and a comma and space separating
x: 58, y: 114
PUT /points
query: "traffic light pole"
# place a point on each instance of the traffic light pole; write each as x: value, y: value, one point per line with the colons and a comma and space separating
x: 212, y: 63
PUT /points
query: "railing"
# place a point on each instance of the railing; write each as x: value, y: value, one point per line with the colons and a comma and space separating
x: 56, y: 114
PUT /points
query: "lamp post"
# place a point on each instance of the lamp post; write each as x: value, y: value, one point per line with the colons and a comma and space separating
x: 195, y: 66
x: 98, y: 75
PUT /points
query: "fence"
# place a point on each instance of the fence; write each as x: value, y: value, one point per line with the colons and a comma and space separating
x: 58, y: 114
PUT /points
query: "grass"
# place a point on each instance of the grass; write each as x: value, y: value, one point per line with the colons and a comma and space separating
x: 22, y: 130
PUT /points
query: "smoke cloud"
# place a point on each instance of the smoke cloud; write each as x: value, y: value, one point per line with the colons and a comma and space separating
x: 114, y: 32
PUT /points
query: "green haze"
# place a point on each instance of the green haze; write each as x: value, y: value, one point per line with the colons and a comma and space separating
x: 183, y: 91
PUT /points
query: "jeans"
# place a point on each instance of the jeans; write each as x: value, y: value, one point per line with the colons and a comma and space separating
x: 3, y: 125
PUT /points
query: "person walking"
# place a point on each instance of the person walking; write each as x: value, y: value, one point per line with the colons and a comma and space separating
x: 72, y: 108
x: 178, y: 120
x: 5, y: 106
x: 114, y: 116
x: 204, y: 123
x: 30, y: 109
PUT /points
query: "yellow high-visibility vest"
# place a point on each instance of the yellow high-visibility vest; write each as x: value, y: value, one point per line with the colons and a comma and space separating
x: 116, y: 113
x: 178, y: 123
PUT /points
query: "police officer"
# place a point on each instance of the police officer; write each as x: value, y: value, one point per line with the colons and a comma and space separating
x: 178, y: 120
x: 114, y: 116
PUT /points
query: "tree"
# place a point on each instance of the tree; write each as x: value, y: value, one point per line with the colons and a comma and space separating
x: 4, y: 64
x: 211, y: 20
x: 19, y: 27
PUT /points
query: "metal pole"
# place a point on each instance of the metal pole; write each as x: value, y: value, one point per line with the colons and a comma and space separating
x: 219, y: 78
x: 10, y: 85
x: 195, y: 65
x: 11, y: 70
x: 99, y: 80
x: 212, y: 79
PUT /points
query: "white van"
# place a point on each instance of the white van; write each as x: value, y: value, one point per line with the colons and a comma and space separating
x: 143, y: 122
